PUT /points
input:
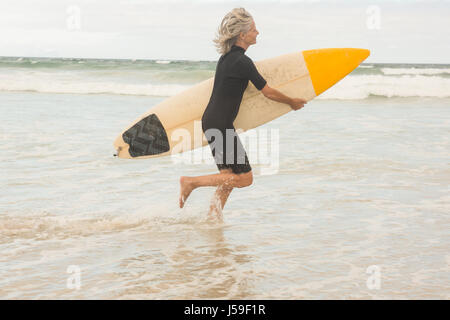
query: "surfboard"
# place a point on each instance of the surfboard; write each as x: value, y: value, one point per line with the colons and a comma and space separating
x: 174, y: 125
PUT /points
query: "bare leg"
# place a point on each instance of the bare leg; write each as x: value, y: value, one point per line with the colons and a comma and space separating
x: 218, y: 200
x: 225, y: 178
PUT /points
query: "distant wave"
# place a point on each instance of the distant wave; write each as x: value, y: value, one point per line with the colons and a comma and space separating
x: 400, y: 71
x: 167, y: 78
x: 163, y: 90
x: 362, y: 87
x: 350, y: 88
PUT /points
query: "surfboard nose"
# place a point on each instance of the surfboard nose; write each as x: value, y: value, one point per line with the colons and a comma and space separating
x: 328, y: 66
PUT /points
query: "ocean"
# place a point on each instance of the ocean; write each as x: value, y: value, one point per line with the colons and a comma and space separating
x: 358, y: 208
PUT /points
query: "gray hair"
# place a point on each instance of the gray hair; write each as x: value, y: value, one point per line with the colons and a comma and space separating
x: 236, y: 21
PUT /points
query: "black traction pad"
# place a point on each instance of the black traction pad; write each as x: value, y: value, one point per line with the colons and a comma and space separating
x: 147, y: 137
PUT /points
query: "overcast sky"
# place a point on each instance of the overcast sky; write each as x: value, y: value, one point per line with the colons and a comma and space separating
x: 408, y: 31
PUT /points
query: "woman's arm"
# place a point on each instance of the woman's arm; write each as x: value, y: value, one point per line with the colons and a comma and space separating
x: 274, y: 94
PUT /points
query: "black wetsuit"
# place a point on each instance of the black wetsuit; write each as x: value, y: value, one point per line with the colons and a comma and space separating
x: 234, y: 70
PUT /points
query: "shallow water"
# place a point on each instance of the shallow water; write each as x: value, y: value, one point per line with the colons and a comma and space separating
x: 361, y: 185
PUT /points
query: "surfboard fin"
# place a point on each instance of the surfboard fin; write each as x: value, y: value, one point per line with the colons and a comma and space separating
x: 118, y: 152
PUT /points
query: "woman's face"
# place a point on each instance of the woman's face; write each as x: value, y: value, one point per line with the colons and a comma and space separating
x: 250, y: 36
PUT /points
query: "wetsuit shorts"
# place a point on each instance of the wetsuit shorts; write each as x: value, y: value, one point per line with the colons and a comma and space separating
x: 227, y: 150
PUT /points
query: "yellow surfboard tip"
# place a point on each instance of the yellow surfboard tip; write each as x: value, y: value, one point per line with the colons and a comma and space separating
x: 327, y: 66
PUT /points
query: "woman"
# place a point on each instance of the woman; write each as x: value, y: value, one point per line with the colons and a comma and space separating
x: 234, y: 69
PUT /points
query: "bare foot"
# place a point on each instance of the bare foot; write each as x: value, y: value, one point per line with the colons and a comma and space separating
x: 185, y: 190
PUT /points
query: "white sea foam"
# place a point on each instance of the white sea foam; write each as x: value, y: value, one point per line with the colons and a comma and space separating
x: 86, y: 87
x: 414, y: 71
x: 361, y: 87
x: 418, y: 83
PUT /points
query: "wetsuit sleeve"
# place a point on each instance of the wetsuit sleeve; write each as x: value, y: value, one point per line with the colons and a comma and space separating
x: 249, y: 71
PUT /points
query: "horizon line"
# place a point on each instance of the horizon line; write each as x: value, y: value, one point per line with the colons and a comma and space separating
x: 183, y: 60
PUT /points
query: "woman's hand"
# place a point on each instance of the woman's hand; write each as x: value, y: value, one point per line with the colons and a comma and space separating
x: 298, y: 103
x: 274, y: 94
